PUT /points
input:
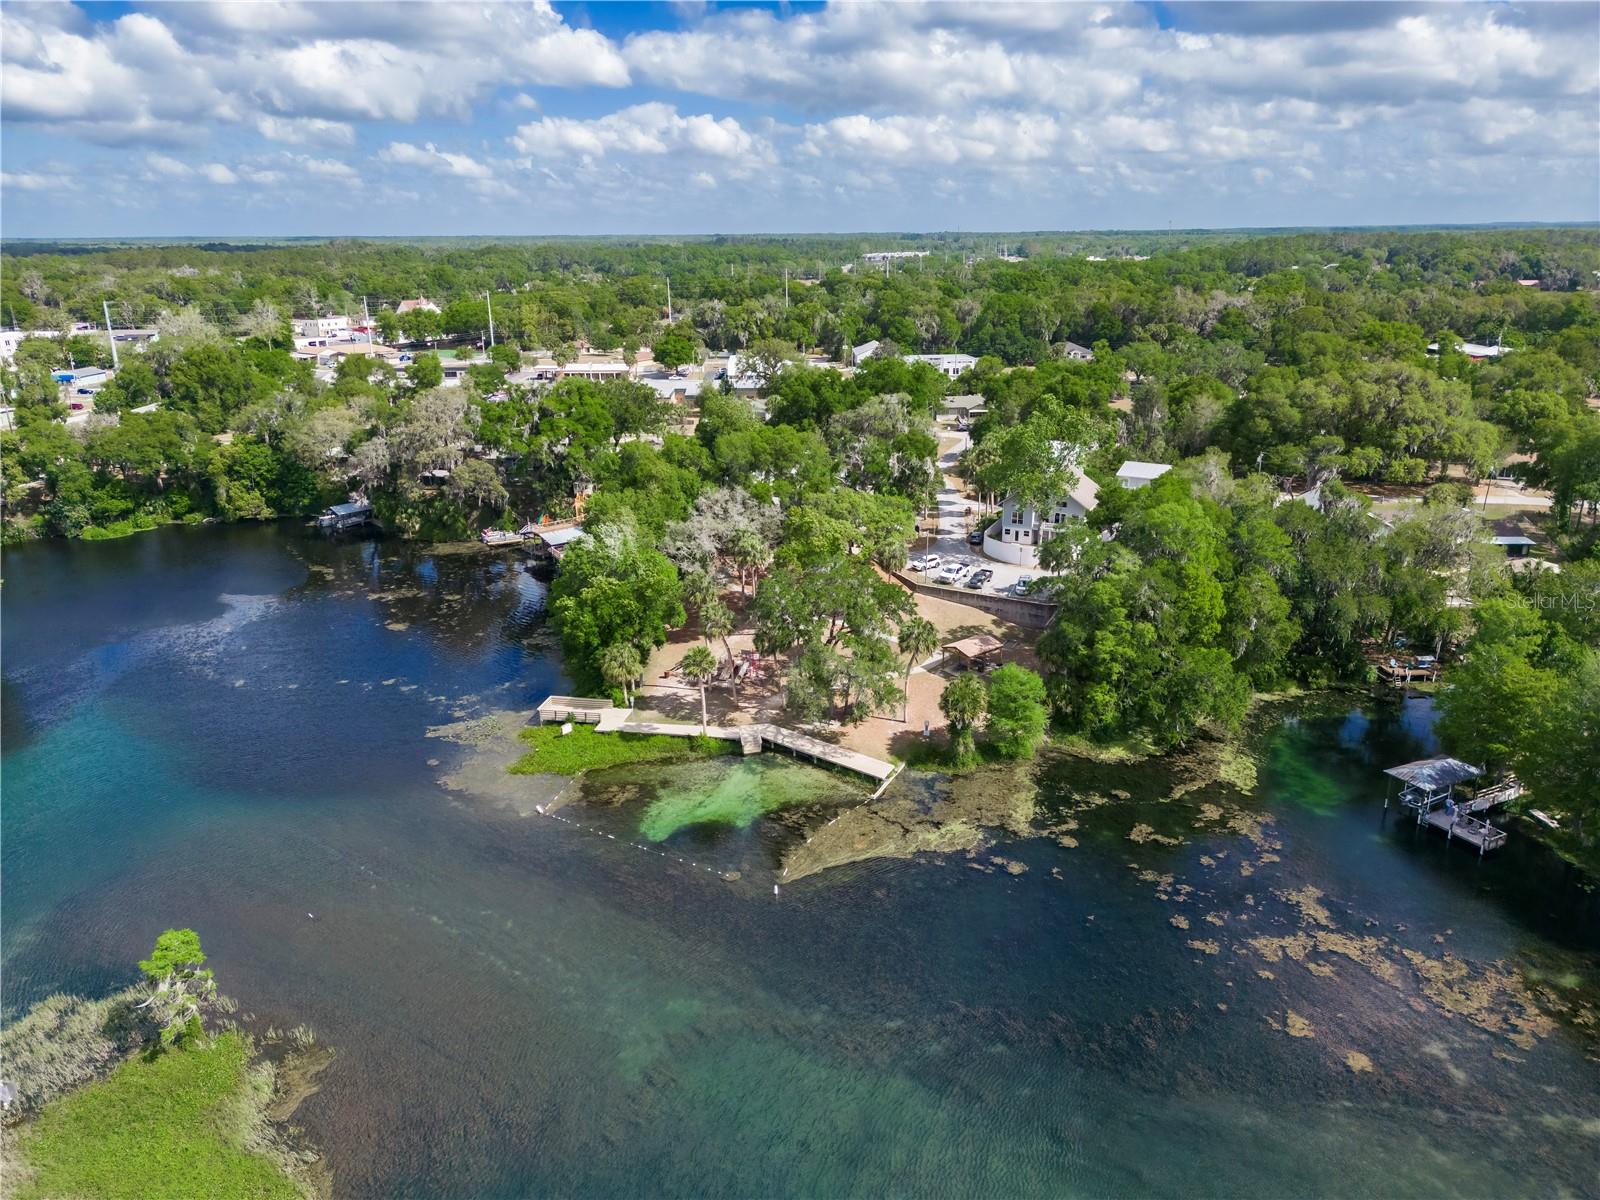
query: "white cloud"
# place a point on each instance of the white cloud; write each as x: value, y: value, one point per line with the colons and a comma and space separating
x: 438, y: 161
x: 297, y: 72
x: 855, y: 114
x: 167, y: 167
x: 306, y: 131
x: 650, y: 129
x: 37, y: 181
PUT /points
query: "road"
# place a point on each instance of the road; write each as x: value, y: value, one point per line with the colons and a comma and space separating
x: 957, y: 516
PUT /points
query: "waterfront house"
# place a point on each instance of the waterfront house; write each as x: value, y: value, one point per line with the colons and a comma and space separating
x: 1015, y: 537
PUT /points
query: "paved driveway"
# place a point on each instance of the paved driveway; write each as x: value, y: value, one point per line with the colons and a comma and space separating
x: 957, y: 516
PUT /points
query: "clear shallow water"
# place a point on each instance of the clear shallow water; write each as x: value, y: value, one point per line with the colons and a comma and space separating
x: 226, y: 728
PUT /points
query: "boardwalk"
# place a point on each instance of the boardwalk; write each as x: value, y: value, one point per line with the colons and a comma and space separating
x: 751, y: 738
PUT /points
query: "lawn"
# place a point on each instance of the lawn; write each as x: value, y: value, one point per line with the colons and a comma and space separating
x: 585, y: 750
x: 174, y: 1126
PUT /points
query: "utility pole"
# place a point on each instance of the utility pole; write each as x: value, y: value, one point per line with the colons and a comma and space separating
x: 490, y: 305
x: 786, y: 287
x: 366, y: 319
x: 669, y: 299
x: 111, y: 334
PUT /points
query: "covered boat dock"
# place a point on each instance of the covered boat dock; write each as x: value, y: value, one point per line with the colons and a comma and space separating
x: 1428, y: 788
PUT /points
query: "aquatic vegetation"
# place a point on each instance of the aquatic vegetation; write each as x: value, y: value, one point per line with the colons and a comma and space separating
x: 898, y: 825
x: 1357, y: 1062
x: 734, y: 795
x: 65, y: 1041
x: 1144, y: 833
x: 1293, y: 775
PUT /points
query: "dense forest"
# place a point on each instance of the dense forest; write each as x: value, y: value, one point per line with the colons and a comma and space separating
x: 1258, y: 365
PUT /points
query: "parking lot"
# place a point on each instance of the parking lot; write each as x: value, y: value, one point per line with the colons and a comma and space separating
x: 957, y: 516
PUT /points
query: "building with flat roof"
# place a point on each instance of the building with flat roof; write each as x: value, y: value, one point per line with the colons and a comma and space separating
x: 948, y: 365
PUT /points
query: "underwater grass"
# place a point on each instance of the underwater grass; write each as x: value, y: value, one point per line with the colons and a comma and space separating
x: 173, y: 1126
x: 586, y: 750
x: 737, y: 797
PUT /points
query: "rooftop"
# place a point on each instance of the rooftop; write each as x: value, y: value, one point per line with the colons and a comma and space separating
x: 1435, y: 772
x: 1142, y: 470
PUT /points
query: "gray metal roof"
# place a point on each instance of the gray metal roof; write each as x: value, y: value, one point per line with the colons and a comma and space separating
x: 560, y: 537
x: 1435, y: 772
x: 349, y: 510
x: 1517, y: 540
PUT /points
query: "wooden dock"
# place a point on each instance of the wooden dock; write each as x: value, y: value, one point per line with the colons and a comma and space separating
x: 752, y: 739
x: 1478, y: 834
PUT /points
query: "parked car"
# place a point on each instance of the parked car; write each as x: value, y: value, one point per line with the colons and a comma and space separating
x: 952, y: 572
x: 926, y: 563
x: 975, y: 538
x: 979, y: 578
x: 1024, y: 582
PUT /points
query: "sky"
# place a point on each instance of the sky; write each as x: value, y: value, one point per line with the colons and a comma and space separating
x: 538, y: 118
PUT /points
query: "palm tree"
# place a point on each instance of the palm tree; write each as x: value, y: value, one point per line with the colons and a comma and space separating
x: 698, y: 667
x: 716, y: 621
x: 620, y: 666
x: 918, y: 638
x: 963, y: 702
x: 750, y: 553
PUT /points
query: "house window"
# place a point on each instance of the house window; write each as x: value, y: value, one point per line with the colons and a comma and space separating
x: 1055, y: 517
x: 1016, y: 516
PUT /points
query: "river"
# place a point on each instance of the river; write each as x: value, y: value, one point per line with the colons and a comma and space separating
x: 226, y: 728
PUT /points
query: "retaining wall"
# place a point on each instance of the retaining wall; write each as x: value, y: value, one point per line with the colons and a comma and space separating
x: 1032, y: 614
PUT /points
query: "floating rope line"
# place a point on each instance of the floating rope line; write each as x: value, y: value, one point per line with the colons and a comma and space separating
x: 882, y: 787
x: 688, y: 862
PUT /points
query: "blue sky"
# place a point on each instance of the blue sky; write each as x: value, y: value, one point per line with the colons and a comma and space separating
x: 210, y: 119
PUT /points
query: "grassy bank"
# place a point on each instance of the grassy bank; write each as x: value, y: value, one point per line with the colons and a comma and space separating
x: 181, y: 1124
x: 585, y: 750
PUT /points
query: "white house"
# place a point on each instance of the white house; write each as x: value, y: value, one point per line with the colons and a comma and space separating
x: 948, y: 365
x: 10, y: 339
x: 860, y: 354
x: 1476, y: 351
x: 597, y: 370
x: 1021, y: 529
x: 322, y: 327
x: 421, y: 302
x: 1077, y: 353
x: 673, y: 389
x: 1133, y: 475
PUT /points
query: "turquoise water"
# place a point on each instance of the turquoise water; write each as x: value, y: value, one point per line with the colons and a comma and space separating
x: 225, y: 728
